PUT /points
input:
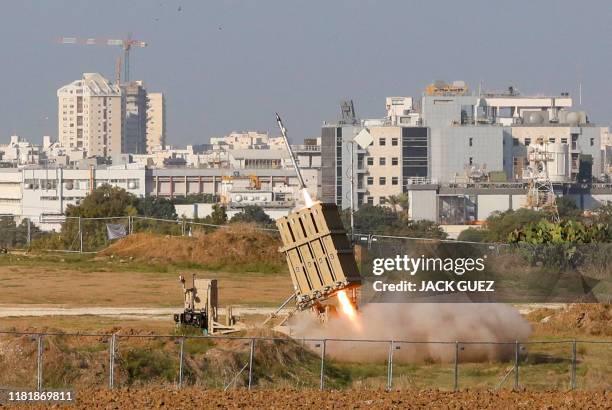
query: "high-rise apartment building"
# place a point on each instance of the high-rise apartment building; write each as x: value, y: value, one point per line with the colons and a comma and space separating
x: 90, y: 115
x: 134, y: 118
x: 156, y: 121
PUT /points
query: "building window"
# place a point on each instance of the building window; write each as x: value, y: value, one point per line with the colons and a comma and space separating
x: 370, y: 200
x: 551, y: 140
x: 563, y: 140
x: 382, y: 161
x: 395, y: 142
x: 394, y: 161
x: 382, y: 142
x: 527, y: 141
x: 471, y: 161
x: 382, y: 181
x: 515, y: 141
x: 370, y: 180
x: 592, y: 141
x: 370, y: 161
x: 394, y: 180
x: 471, y: 141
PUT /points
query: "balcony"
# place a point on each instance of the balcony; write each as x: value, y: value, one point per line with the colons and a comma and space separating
x: 306, y: 148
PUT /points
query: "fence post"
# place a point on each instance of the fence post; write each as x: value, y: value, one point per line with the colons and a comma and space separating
x: 516, y: 364
x: 39, y: 363
x: 111, y: 364
x: 29, y: 234
x: 322, y: 382
x: 456, y: 372
x: 251, y: 362
x: 129, y: 224
x: 573, y: 377
x: 182, y: 344
x: 390, y: 367
x: 80, y: 237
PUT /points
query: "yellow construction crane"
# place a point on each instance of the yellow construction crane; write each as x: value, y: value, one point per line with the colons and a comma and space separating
x: 126, y: 44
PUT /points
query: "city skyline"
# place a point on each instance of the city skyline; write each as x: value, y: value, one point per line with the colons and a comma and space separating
x: 229, y: 67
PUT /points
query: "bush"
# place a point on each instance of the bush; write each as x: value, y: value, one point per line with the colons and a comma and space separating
x: 473, y: 235
x: 254, y: 214
x: 383, y: 220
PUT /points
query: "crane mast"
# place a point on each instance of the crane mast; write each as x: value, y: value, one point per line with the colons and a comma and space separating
x: 126, y: 44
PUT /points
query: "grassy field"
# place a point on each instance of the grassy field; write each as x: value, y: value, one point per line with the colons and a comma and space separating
x: 85, y: 280
x: 75, y: 280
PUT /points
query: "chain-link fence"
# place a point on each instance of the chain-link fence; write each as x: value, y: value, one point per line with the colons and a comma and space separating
x: 73, y: 361
x: 90, y: 235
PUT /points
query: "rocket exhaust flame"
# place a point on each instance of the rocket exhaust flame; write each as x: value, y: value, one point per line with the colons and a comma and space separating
x: 347, y: 308
x: 307, y: 198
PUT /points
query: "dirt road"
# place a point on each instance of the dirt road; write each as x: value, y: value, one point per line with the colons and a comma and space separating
x: 120, y: 312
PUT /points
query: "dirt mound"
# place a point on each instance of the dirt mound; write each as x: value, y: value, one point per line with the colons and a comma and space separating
x: 578, y: 318
x: 197, y: 398
x: 239, y: 244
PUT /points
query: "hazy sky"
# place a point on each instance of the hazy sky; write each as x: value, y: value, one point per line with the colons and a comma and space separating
x: 229, y: 65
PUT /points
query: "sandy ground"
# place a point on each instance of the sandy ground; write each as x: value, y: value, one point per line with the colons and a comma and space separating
x: 196, y: 398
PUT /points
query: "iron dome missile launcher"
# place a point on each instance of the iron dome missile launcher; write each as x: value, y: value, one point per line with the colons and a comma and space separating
x: 319, y: 254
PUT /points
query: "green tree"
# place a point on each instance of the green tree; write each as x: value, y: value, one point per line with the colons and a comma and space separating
x: 217, y: 217
x: 372, y: 219
x: 399, y: 202
x: 383, y: 220
x: 253, y: 214
x: 156, y: 207
x: 567, y: 208
x: 16, y: 236
x: 8, y: 227
x: 104, y: 202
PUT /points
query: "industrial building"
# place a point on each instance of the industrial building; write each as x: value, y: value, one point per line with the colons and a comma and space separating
x: 468, y: 203
x: 449, y: 137
x: 43, y: 194
x: 457, y: 156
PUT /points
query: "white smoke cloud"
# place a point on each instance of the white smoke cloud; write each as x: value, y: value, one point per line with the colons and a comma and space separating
x: 421, y: 322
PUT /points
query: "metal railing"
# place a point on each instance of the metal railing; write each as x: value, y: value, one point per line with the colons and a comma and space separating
x: 81, y: 359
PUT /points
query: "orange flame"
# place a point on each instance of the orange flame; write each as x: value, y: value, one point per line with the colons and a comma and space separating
x: 346, y: 305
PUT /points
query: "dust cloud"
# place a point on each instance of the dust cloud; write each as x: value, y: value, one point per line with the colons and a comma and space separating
x: 420, y: 322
